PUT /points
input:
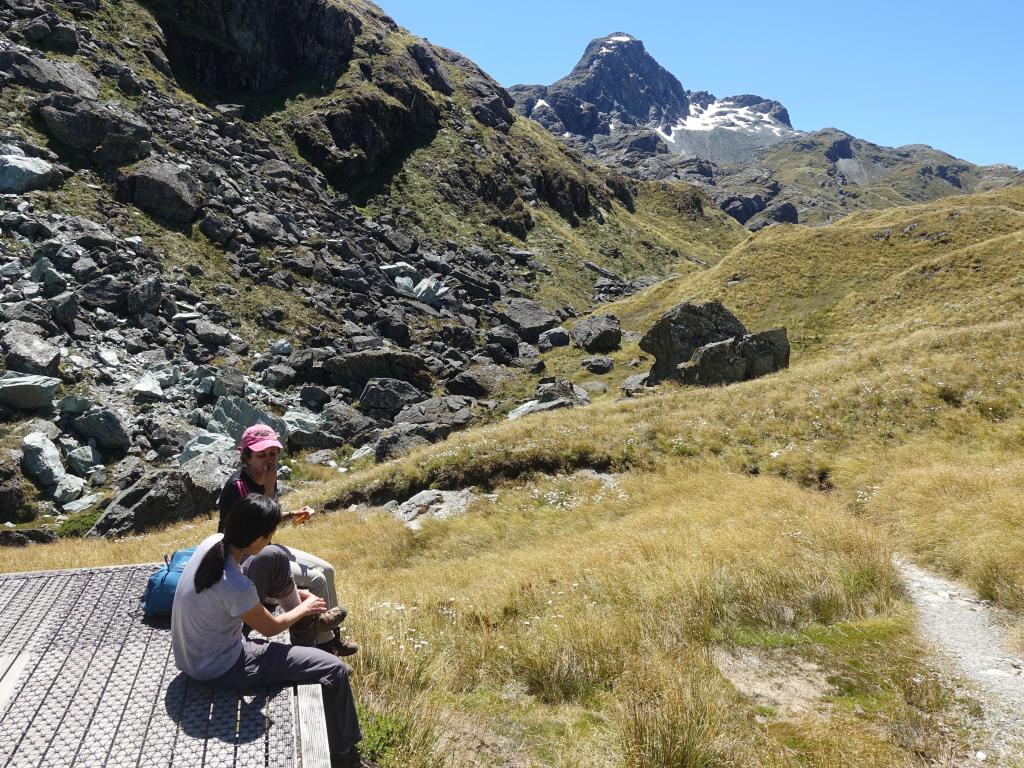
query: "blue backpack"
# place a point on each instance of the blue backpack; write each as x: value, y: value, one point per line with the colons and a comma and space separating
x: 156, y: 603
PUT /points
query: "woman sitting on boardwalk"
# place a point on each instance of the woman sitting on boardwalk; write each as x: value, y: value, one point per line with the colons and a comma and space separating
x: 223, y: 585
x: 261, y: 449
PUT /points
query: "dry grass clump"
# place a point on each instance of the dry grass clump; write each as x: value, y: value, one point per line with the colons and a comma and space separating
x: 677, y: 712
x: 960, y: 511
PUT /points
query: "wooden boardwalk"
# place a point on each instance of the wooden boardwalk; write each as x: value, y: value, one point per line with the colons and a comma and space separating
x: 84, y: 682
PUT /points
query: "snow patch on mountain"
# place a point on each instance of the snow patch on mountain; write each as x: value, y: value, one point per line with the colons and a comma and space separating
x: 728, y: 116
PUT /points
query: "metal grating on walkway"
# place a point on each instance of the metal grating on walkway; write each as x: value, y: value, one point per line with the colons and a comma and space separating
x: 84, y: 682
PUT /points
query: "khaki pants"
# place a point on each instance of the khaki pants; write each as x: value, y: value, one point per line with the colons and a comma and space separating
x: 315, y: 575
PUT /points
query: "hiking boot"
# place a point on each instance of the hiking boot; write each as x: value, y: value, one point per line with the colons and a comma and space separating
x: 339, y: 646
x: 305, y: 630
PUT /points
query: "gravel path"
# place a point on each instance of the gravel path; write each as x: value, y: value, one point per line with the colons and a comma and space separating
x: 970, y: 633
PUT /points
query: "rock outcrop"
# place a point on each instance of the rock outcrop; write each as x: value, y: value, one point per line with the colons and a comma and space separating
x: 156, y: 499
x: 706, y: 345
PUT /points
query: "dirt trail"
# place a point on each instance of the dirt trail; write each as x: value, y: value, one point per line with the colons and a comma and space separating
x: 970, y: 633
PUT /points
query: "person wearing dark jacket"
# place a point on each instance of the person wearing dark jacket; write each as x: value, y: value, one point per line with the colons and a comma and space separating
x: 260, y: 450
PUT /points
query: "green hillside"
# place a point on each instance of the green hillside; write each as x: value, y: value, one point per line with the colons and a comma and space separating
x: 580, y: 619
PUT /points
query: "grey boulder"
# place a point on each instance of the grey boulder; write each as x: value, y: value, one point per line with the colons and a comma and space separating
x: 29, y: 353
x: 382, y: 399
x: 27, y: 392
x: 68, y: 489
x: 355, y: 370
x: 740, y: 358
x: 528, y: 318
x: 478, y: 382
x: 552, y: 394
x: 208, y: 471
x: 556, y: 337
x: 337, y: 425
x: 20, y: 174
x: 106, y: 426
x: 206, y: 443
x: 111, y: 133
x: 601, y: 333
x: 42, y: 74
x: 439, y: 416
x: 40, y: 460
x: 164, y: 190
x: 400, y: 440
x: 598, y: 364
x: 433, y: 505
x: 232, y: 415
x: 148, y: 388
x: 81, y: 460
x: 682, y: 330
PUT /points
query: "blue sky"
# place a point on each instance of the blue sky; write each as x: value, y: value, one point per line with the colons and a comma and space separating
x: 943, y: 73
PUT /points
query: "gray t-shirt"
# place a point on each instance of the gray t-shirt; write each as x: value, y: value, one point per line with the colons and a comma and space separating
x: 206, y: 628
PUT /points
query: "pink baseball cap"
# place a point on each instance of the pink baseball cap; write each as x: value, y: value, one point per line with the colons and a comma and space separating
x: 259, y: 437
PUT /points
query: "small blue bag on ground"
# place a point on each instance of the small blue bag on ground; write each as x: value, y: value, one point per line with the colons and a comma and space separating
x: 156, y: 603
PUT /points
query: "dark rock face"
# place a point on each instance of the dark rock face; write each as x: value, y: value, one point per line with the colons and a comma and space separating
x: 344, y: 425
x: 352, y: 140
x: 432, y: 68
x: 704, y: 344
x: 25, y: 536
x: 679, y: 332
x: 12, y: 492
x: 784, y: 213
x: 355, y: 370
x: 163, y: 190
x: 556, y: 337
x: 737, y: 359
x: 601, y: 333
x: 255, y: 45
x: 400, y: 440
x: 599, y: 365
x: 157, y: 499
x: 45, y: 75
x: 111, y: 133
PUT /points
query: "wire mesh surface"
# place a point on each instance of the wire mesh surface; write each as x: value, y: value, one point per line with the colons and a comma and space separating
x: 85, y: 682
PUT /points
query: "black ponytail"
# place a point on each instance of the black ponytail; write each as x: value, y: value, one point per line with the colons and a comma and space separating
x: 252, y: 517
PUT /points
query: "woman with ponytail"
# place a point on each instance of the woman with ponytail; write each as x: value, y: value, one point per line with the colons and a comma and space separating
x: 223, y: 586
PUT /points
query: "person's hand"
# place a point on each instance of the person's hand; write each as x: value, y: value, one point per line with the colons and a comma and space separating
x: 303, y: 594
x: 312, y: 605
x: 270, y: 476
x: 300, y: 516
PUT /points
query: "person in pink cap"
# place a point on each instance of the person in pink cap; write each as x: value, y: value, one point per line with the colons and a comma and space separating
x: 260, y: 449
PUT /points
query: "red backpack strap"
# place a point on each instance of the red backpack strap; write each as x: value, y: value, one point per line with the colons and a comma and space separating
x: 243, y: 489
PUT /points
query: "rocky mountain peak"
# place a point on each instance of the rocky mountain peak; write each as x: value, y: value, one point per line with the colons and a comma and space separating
x: 619, y: 99
x: 616, y: 83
